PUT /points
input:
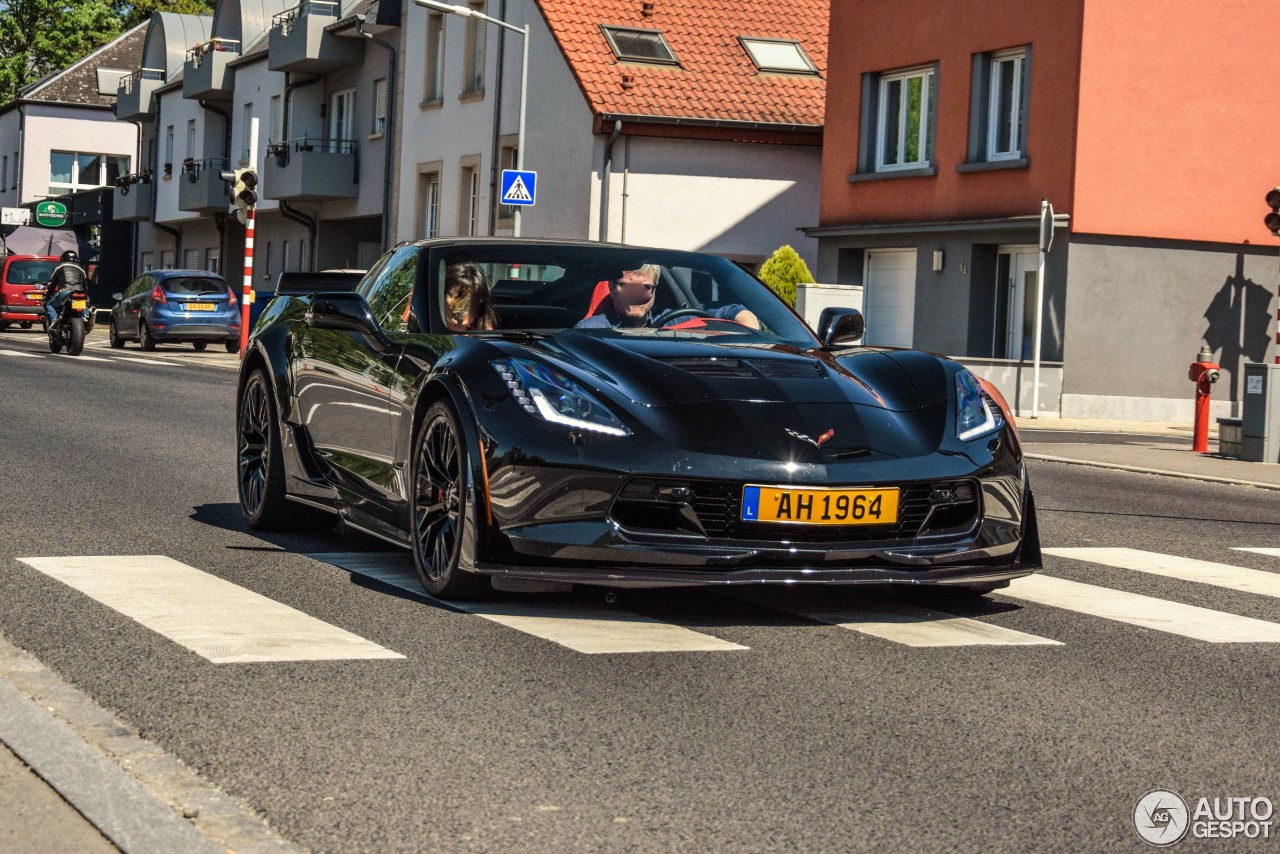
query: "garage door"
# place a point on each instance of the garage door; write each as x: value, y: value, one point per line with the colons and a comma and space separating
x: 890, y: 296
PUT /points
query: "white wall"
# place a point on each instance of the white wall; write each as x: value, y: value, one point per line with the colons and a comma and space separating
x: 173, y: 109
x: 57, y: 128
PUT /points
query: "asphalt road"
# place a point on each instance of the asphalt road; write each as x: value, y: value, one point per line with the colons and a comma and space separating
x: 483, y: 737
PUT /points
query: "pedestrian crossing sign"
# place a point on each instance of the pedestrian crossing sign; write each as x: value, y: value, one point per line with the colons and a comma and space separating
x: 519, y: 187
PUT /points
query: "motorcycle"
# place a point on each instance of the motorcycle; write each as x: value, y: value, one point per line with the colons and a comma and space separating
x: 73, y: 323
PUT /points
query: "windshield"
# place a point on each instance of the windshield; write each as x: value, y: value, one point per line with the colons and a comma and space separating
x: 604, y: 290
x: 194, y: 286
x: 29, y: 272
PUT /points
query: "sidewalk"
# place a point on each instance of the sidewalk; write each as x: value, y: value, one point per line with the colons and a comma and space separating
x: 1143, y: 446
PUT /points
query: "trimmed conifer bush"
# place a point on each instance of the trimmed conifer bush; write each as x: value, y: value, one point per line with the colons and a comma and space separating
x: 783, y: 271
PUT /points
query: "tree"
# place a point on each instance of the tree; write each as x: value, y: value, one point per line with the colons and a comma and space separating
x: 38, y: 37
x: 132, y: 14
x: 783, y: 271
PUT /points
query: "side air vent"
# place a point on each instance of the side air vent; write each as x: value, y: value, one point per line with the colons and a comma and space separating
x: 787, y: 369
x: 774, y: 369
x: 712, y: 367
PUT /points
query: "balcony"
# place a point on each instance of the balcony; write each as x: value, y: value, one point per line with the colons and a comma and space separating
x: 135, y: 198
x: 206, y: 75
x: 133, y: 95
x: 201, y: 189
x: 313, y: 170
x: 299, y: 42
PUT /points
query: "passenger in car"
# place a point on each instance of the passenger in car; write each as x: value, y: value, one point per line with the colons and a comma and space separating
x: 468, y: 299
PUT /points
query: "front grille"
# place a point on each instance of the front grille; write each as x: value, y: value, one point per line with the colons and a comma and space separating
x: 714, y: 509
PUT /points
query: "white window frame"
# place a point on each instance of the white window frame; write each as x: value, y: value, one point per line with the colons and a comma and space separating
x: 1018, y: 57
x: 431, y: 206
x: 470, y: 207
x: 80, y: 182
x: 342, y: 120
x: 273, y: 133
x: 924, y: 132
x: 474, y: 54
x: 433, y: 68
x: 380, y: 106
x: 191, y: 139
x: 168, y: 151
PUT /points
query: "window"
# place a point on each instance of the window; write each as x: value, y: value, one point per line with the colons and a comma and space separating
x: 213, y: 260
x: 284, y: 256
x: 429, y: 196
x: 998, y: 110
x: 166, y: 259
x: 433, y: 89
x: 779, y: 55
x: 904, y: 126
x: 15, y: 171
x: 148, y: 261
x: 191, y: 259
x: 473, y: 63
x: 4, y: 176
x: 168, y: 151
x: 639, y: 45
x: 274, y: 134
x: 304, y: 263
x: 266, y: 262
x: 342, y: 120
x: 245, y: 125
x: 508, y: 154
x: 191, y: 139
x: 388, y: 287
x: 469, y: 199
x: 70, y: 171
x: 380, y: 106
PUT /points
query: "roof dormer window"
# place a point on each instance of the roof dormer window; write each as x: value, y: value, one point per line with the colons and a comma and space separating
x: 779, y: 55
x: 632, y: 45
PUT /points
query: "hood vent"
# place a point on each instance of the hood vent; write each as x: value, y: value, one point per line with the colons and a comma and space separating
x: 774, y: 369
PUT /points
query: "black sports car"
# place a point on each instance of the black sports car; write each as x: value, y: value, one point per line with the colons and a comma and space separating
x: 632, y: 418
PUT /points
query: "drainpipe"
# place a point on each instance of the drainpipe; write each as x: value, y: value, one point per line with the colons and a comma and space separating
x: 497, y: 120
x: 289, y: 212
x: 604, y: 181
x: 390, y: 134
x: 134, y: 260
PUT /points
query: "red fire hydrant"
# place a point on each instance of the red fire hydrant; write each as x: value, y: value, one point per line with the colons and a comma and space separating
x: 1204, y: 373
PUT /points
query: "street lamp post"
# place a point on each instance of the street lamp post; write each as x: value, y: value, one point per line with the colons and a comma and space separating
x: 466, y: 12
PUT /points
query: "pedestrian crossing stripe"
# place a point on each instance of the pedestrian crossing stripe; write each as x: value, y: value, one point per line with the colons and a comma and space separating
x: 1182, y: 568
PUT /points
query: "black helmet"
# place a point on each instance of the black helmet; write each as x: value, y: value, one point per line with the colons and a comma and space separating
x: 70, y: 257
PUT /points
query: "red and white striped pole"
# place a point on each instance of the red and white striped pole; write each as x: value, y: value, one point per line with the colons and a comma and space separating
x: 246, y: 299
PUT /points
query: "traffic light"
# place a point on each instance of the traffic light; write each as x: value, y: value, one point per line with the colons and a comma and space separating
x: 245, y: 192
x: 1272, y: 220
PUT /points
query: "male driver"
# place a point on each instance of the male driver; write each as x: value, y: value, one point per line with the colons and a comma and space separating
x: 631, y: 299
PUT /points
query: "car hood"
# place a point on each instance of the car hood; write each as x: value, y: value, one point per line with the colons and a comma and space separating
x: 657, y: 372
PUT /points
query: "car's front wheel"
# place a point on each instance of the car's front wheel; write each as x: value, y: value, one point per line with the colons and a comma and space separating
x: 113, y: 336
x: 441, y: 507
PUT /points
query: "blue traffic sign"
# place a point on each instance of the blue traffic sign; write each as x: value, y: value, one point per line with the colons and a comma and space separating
x: 518, y: 187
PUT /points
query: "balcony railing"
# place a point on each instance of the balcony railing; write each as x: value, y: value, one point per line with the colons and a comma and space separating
x: 133, y: 94
x: 201, y: 188
x: 206, y: 74
x: 134, y: 197
x: 299, y: 40
x: 312, y: 169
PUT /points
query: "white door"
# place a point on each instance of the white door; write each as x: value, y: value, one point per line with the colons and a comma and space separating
x: 342, y: 120
x: 890, y: 297
x: 1018, y: 302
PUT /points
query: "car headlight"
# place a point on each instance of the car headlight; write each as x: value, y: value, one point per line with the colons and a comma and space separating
x: 976, y: 415
x: 543, y: 391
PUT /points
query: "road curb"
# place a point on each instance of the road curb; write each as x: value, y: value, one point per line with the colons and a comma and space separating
x: 1144, y: 470
x: 135, y: 794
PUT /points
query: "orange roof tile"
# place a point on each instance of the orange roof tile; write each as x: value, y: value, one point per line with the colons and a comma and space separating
x: 716, y: 79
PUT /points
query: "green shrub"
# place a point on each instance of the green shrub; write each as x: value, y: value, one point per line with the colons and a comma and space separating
x: 783, y: 271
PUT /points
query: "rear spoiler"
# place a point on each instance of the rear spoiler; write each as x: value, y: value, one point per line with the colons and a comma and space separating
x: 313, y: 283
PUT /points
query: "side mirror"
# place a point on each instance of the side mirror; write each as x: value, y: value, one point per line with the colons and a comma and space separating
x: 347, y: 312
x: 840, y: 326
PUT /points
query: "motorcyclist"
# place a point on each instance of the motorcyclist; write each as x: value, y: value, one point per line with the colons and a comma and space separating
x: 66, y: 277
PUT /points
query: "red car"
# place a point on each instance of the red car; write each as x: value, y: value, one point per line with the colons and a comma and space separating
x: 22, y: 281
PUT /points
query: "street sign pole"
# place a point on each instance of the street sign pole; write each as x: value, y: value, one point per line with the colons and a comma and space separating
x: 1046, y: 241
x: 524, y: 100
x: 247, y: 293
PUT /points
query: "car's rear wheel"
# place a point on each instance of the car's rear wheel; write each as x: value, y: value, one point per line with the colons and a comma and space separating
x: 233, y: 345
x: 199, y: 346
x: 441, y: 507
x: 145, y: 340
x: 113, y: 336
x: 260, y: 465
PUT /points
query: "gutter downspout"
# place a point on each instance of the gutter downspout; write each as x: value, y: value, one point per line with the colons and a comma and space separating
x: 603, y: 236
x: 389, y: 136
x: 297, y: 216
x: 134, y: 250
x: 497, y: 120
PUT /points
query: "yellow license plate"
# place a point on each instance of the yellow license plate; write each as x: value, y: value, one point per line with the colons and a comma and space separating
x: 819, y: 506
x: 79, y: 304
x: 200, y: 306
x: 34, y: 295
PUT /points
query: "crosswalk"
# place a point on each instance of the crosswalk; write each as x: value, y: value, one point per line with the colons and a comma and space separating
x: 100, y: 351
x: 226, y: 624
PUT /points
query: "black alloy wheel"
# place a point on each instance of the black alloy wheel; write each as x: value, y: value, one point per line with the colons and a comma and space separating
x: 145, y: 339
x: 113, y: 336
x: 441, y: 508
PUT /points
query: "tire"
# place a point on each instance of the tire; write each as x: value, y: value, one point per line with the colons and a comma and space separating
x: 24, y: 325
x: 260, y: 465
x: 55, y: 340
x: 145, y: 341
x: 199, y: 346
x: 4, y: 324
x: 232, y: 345
x: 75, y: 336
x: 439, y: 507
x: 113, y: 336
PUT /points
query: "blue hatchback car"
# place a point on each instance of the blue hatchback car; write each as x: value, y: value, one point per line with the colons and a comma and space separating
x: 163, y: 306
